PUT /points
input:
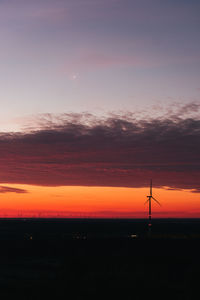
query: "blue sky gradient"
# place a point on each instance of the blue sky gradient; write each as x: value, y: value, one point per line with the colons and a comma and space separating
x: 96, y: 56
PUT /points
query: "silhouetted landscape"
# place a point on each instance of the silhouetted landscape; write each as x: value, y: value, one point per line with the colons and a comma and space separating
x: 99, y: 258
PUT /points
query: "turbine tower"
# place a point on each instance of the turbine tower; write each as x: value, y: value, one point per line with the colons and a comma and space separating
x: 149, y: 200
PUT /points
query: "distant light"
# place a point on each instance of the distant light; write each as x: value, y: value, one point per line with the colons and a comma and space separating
x: 79, y: 237
x: 133, y: 236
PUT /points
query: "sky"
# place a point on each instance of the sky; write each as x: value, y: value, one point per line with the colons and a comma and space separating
x: 98, y: 97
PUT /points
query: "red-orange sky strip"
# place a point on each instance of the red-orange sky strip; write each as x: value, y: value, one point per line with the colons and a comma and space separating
x: 98, y: 201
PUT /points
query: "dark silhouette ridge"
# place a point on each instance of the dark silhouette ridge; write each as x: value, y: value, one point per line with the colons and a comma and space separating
x: 97, y: 259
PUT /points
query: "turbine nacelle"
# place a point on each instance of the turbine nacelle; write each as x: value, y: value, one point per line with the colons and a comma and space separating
x: 151, y: 197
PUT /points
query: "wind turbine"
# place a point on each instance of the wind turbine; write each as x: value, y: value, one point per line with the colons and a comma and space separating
x: 149, y: 200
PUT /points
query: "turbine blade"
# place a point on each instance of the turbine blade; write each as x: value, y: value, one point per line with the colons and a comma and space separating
x: 156, y: 201
x: 146, y: 202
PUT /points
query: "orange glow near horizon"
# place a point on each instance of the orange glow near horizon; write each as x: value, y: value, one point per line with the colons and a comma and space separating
x: 78, y: 201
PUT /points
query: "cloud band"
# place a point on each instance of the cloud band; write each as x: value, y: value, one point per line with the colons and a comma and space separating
x: 117, y: 151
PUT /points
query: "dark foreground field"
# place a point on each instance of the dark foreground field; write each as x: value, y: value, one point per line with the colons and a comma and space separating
x: 99, y: 259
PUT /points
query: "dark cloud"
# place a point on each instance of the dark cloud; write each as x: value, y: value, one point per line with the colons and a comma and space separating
x: 8, y: 189
x: 79, y: 149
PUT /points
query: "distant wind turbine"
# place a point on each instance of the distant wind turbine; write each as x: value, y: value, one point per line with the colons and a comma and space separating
x: 149, y: 200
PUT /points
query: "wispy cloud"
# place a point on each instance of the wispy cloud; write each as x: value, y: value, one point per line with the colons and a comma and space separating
x: 120, y: 150
x: 92, y: 59
x: 8, y: 189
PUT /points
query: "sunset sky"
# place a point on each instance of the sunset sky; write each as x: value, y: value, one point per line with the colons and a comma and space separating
x: 97, y: 98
